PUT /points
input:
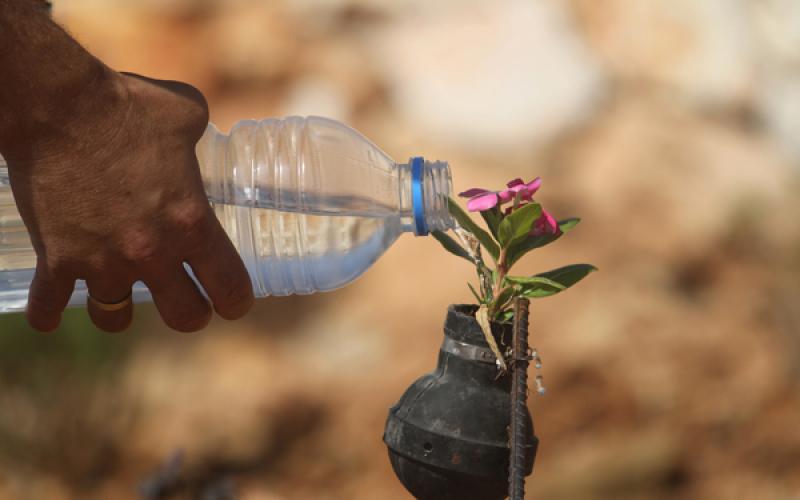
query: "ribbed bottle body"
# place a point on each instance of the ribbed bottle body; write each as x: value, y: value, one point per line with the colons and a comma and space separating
x: 309, y: 203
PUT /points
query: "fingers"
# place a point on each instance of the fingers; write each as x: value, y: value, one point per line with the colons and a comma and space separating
x: 110, y: 292
x: 221, y: 271
x: 47, y: 298
x: 180, y: 303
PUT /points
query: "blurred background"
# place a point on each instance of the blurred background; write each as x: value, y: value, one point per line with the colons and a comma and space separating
x: 670, y: 126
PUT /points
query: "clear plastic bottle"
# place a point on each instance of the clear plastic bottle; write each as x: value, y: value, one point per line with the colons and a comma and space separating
x: 309, y: 203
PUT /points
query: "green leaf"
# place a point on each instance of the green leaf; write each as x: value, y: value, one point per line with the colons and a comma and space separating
x: 493, y: 218
x: 522, y: 247
x: 567, y: 224
x: 505, y: 316
x: 534, y: 286
x: 569, y: 275
x: 533, y: 281
x: 516, y: 226
x: 468, y: 224
x: 476, y: 294
x: 555, y: 281
x: 451, y: 246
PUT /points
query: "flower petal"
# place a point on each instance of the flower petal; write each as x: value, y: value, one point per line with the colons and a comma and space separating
x: 526, y: 195
x: 526, y: 190
x: 471, y: 193
x: 534, y: 185
x: 545, y: 224
x: 506, y: 195
x: 482, y: 202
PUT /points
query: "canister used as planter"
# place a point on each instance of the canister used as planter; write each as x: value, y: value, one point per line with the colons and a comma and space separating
x: 448, y: 434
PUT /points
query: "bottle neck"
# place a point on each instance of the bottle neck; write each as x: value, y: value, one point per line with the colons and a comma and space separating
x: 424, y: 189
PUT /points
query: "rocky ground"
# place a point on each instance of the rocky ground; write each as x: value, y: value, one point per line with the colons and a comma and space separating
x: 670, y: 127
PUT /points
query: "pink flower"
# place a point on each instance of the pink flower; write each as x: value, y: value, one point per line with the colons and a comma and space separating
x: 545, y: 225
x: 480, y: 199
x: 483, y: 199
x: 527, y: 190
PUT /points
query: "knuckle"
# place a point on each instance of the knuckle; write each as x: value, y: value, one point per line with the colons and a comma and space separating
x: 191, y: 218
x: 196, y: 109
x: 98, y: 265
x: 194, y: 95
x: 59, y: 267
x: 140, y: 247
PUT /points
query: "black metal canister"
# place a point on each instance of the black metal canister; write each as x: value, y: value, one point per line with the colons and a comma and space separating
x: 448, y: 434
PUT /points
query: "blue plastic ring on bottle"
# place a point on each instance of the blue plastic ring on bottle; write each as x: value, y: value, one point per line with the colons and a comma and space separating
x: 418, y: 196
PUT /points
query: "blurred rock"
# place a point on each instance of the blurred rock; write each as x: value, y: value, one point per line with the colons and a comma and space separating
x: 337, y: 80
x: 317, y: 97
x: 778, y: 93
x: 628, y: 465
x: 716, y: 55
x: 252, y: 42
x: 254, y: 494
x: 480, y: 76
x: 23, y: 486
x: 779, y: 102
x: 209, y: 398
x: 688, y: 173
x: 776, y: 23
x: 704, y: 50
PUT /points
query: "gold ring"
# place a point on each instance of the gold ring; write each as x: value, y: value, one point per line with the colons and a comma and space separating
x: 111, y: 307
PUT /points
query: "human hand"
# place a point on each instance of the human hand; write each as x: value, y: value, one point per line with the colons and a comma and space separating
x: 112, y: 194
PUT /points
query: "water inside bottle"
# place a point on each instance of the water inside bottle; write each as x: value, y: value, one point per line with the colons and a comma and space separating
x: 309, y: 203
x: 292, y: 252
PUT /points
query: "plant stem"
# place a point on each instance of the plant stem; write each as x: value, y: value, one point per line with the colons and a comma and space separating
x: 498, y: 285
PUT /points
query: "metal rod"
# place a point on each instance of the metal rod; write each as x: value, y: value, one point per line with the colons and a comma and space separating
x: 519, y: 401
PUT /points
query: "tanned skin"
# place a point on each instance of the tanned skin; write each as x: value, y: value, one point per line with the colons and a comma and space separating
x: 103, y: 169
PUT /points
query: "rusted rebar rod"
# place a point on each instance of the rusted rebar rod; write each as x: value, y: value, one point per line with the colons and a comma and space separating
x: 519, y: 401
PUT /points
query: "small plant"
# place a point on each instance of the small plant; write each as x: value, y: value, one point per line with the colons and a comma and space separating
x: 515, y: 230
